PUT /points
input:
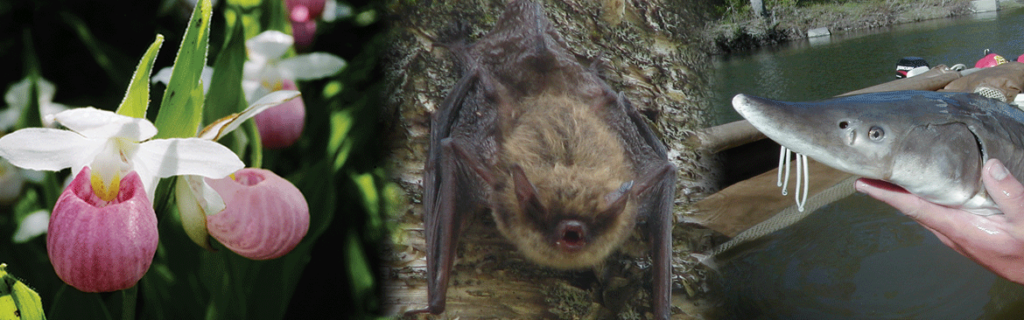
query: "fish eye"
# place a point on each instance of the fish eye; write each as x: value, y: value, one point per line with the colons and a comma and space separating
x: 843, y: 124
x: 876, y: 133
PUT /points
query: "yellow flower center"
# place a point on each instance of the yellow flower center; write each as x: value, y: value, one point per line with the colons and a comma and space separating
x: 109, y: 166
x: 105, y: 190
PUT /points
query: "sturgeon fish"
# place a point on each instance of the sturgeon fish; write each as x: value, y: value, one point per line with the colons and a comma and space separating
x: 933, y: 144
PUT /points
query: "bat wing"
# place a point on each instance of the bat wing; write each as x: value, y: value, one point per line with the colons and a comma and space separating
x: 523, y: 56
x: 655, y: 192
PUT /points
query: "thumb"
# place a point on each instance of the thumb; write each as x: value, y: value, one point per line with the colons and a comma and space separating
x: 1005, y: 190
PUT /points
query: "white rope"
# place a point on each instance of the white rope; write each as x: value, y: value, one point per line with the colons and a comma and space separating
x: 790, y: 215
x: 785, y: 181
x: 802, y: 176
x: 801, y: 167
x: 782, y: 158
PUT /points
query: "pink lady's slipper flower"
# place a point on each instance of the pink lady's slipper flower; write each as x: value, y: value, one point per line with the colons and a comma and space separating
x: 196, y: 199
x: 97, y: 245
x: 105, y: 215
x: 255, y: 213
x: 265, y: 215
x: 303, y: 15
x: 266, y: 72
x: 281, y: 126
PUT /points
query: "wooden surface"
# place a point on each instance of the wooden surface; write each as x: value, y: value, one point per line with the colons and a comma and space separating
x: 745, y: 204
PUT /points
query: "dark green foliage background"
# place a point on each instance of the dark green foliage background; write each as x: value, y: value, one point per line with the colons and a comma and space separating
x: 89, y: 50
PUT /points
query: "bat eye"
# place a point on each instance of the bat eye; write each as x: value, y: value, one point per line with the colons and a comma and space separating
x: 876, y: 133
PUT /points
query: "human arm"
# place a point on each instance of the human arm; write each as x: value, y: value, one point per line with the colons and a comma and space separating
x: 996, y: 241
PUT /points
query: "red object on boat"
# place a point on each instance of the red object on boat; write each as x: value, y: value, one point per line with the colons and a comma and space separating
x: 990, y: 60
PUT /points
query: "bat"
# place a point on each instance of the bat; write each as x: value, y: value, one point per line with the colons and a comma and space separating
x: 565, y: 165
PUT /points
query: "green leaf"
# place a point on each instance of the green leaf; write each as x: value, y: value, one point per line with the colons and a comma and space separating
x: 27, y: 204
x: 73, y: 304
x: 226, y: 95
x: 244, y: 3
x: 256, y: 158
x: 275, y: 17
x: 30, y: 115
x: 367, y: 187
x: 341, y: 124
x: 359, y: 271
x: 101, y: 56
x: 136, y: 99
x: 180, y: 112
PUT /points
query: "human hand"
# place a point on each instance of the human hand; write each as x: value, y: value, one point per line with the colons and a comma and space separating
x: 996, y: 242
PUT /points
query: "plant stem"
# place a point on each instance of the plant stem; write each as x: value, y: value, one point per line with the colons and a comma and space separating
x: 128, y: 297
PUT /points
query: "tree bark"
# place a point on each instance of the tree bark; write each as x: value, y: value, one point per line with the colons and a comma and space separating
x: 652, y: 51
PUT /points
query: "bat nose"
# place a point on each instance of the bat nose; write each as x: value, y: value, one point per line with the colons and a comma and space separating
x: 572, y: 235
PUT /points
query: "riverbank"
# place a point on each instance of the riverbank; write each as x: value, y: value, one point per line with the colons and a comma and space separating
x: 740, y: 30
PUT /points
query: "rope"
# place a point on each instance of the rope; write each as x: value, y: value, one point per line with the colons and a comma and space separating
x: 790, y: 215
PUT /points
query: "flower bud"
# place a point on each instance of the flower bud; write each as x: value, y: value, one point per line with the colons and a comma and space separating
x: 304, y: 10
x: 281, y: 125
x: 304, y: 34
x: 99, y: 246
x: 265, y: 215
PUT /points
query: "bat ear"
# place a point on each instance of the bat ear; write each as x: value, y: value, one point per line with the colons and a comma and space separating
x: 526, y: 193
x: 616, y: 200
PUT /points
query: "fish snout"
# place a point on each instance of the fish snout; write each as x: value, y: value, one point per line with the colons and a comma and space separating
x: 848, y: 130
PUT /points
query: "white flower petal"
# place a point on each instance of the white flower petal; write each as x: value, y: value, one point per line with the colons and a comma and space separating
x: 251, y: 70
x: 269, y: 45
x: 311, y: 66
x: 206, y: 76
x: 162, y: 76
x: 11, y: 182
x: 49, y: 111
x: 249, y: 87
x: 208, y: 199
x: 17, y: 101
x: 196, y: 200
x: 9, y: 117
x: 227, y: 124
x: 103, y: 124
x: 46, y: 91
x: 330, y: 11
x: 33, y: 175
x: 17, y: 96
x: 48, y: 149
x: 34, y: 225
x: 170, y: 157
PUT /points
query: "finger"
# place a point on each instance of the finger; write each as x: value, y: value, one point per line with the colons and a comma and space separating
x: 911, y: 205
x: 955, y: 225
x: 888, y: 191
x: 1005, y: 190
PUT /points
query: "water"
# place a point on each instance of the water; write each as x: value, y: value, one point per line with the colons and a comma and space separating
x: 858, y: 258
x: 804, y: 71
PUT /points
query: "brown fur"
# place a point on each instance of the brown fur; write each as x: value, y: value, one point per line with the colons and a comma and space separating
x: 574, y: 160
x: 548, y: 147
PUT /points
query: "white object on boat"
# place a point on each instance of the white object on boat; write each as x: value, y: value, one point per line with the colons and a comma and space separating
x: 818, y: 32
x: 984, y: 6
